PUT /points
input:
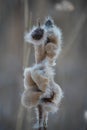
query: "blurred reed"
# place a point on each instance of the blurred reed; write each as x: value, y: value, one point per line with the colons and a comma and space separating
x: 26, y: 54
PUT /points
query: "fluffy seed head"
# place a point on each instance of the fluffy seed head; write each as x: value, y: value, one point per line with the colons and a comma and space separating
x: 49, y: 22
x: 38, y: 33
x: 36, y: 36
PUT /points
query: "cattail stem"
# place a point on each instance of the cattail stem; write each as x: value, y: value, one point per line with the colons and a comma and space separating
x: 45, y: 128
x: 40, y: 115
x: 38, y: 22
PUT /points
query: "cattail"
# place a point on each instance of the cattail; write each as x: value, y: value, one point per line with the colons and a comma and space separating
x: 47, y: 41
x: 41, y: 91
x: 65, y: 5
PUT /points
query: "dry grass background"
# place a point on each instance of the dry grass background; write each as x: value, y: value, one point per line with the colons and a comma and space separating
x: 71, y: 69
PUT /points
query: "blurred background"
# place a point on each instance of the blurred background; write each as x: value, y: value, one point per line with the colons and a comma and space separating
x: 71, y: 68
